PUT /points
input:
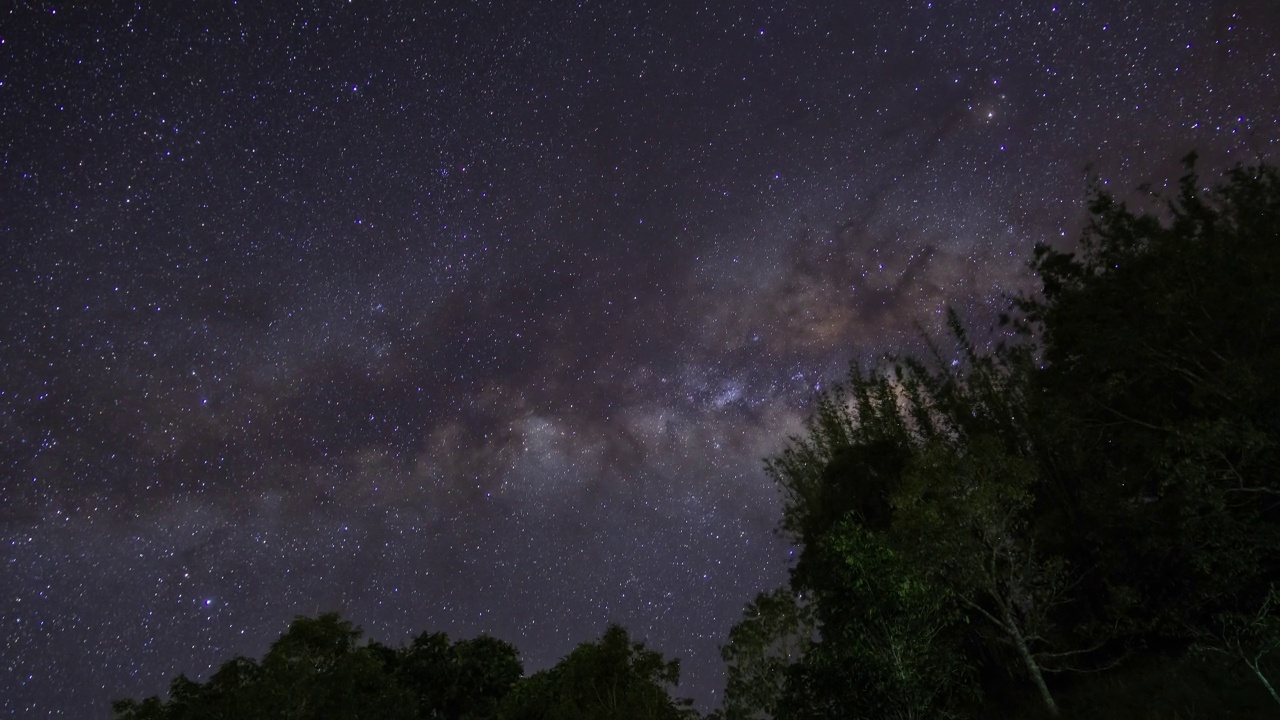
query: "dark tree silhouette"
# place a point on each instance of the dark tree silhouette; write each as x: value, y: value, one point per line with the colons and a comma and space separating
x: 1105, y: 488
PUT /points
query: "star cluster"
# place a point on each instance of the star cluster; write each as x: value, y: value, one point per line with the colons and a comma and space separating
x: 480, y: 316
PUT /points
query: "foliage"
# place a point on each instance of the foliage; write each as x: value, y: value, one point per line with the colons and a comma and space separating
x: 1161, y: 343
x: 1106, y: 487
x: 889, y: 637
x: 466, y: 679
x: 1250, y: 638
x: 776, y: 631
x: 318, y: 670
x: 855, y: 428
x: 612, y: 679
x: 964, y: 516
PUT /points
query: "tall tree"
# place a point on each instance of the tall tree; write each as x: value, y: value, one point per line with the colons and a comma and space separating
x: 1160, y: 338
x: 938, y: 462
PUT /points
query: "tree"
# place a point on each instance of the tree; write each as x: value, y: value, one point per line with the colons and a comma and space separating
x: 1160, y: 339
x: 466, y: 679
x: 318, y: 670
x: 611, y: 679
x: 1250, y: 638
x: 964, y: 514
x: 485, y: 669
x: 856, y: 430
x: 148, y: 709
x: 776, y: 631
x: 890, y: 641
x: 939, y: 463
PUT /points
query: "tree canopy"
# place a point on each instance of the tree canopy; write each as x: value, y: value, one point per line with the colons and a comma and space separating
x: 319, y: 670
x: 615, y: 678
x: 1097, y: 497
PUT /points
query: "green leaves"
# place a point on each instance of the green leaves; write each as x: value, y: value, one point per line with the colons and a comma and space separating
x: 776, y: 632
x: 890, y: 640
x: 962, y: 512
x: 911, y: 496
x: 1110, y: 481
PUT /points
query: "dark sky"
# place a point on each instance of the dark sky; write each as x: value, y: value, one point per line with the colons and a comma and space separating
x: 479, y: 316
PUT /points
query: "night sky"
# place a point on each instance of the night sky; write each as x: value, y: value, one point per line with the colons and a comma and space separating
x: 479, y: 316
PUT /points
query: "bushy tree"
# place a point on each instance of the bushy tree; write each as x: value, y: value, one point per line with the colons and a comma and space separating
x: 614, y: 678
x: 1249, y: 638
x: 776, y: 632
x: 318, y: 670
x: 890, y: 640
x: 466, y: 679
x: 964, y: 518
x: 1107, y: 483
x: 1160, y: 338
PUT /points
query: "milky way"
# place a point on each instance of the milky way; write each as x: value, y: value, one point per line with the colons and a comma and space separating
x: 480, y: 318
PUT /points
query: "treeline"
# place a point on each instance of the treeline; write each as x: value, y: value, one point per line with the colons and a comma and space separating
x: 320, y: 670
x: 1082, y: 522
